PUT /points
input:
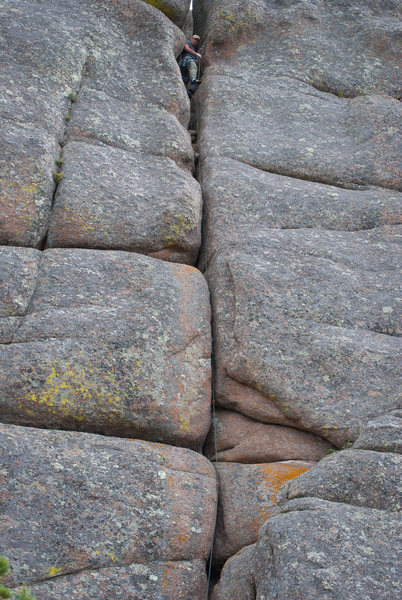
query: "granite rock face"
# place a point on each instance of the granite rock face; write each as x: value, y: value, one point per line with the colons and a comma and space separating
x: 247, y: 498
x: 336, y: 531
x: 309, y: 320
x: 107, y: 515
x: 107, y: 342
x: 85, y: 87
x: 328, y: 550
x: 299, y: 165
x: 302, y: 211
x: 237, y: 577
x: 347, y: 48
x: 240, y: 439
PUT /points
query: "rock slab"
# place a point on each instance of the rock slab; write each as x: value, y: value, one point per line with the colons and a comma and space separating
x: 107, y: 342
x: 93, y: 514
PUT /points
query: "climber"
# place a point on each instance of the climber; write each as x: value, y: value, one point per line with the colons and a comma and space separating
x: 188, y: 63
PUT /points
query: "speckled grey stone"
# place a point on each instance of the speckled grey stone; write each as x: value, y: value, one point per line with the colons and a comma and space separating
x: 383, y: 434
x: 108, y: 342
x: 156, y: 580
x: 348, y: 47
x: 307, y: 320
x: 237, y: 577
x: 99, y: 73
x: 284, y: 126
x: 319, y: 549
x: 240, y: 200
x: 125, y: 208
x: 98, y: 514
x: 356, y: 477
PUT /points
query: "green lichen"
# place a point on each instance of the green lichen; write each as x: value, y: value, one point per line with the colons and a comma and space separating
x: 163, y: 7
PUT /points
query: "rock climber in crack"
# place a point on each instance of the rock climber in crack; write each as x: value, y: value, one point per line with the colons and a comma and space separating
x: 188, y: 63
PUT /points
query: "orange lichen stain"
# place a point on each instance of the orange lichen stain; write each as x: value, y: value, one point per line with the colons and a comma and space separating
x: 272, y: 476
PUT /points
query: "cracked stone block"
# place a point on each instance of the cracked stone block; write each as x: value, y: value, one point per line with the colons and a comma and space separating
x: 307, y: 325
x: 26, y: 183
x: 85, y: 72
x: 347, y: 48
x: 285, y: 126
x: 156, y: 580
x: 240, y: 199
x: 320, y: 549
x: 243, y: 440
x: 139, y: 203
x: 383, y: 434
x: 107, y: 342
x: 356, y: 477
x: 237, y: 579
x: 98, y: 516
x: 176, y: 10
x: 247, y: 498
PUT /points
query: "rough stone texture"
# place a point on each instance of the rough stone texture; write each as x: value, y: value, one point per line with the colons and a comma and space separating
x: 328, y: 550
x: 108, y: 342
x: 176, y: 10
x: 126, y: 208
x: 243, y: 440
x: 305, y: 319
x: 383, y: 434
x: 309, y: 320
x: 349, y: 47
x: 184, y: 580
x: 237, y: 577
x: 285, y: 126
x: 357, y: 477
x: 104, y: 515
x: 241, y: 199
x: 87, y: 72
x: 337, y: 532
x: 247, y: 498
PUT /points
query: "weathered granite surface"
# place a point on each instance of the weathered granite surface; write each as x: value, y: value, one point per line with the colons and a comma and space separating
x: 336, y: 530
x: 241, y: 200
x: 309, y: 320
x: 108, y: 342
x: 284, y: 126
x: 237, y: 580
x: 247, y: 498
x: 243, y: 440
x: 104, y: 515
x: 176, y: 10
x: 329, y: 550
x: 86, y: 72
x: 348, y: 47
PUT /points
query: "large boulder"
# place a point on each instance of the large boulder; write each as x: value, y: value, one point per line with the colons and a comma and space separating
x: 237, y: 578
x: 107, y: 342
x: 284, y: 126
x: 348, y: 48
x: 247, y: 498
x: 319, y: 549
x: 90, y: 99
x: 336, y: 529
x: 308, y: 321
x: 90, y: 516
x: 241, y: 200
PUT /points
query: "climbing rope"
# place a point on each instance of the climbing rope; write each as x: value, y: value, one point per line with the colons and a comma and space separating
x: 213, y: 414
